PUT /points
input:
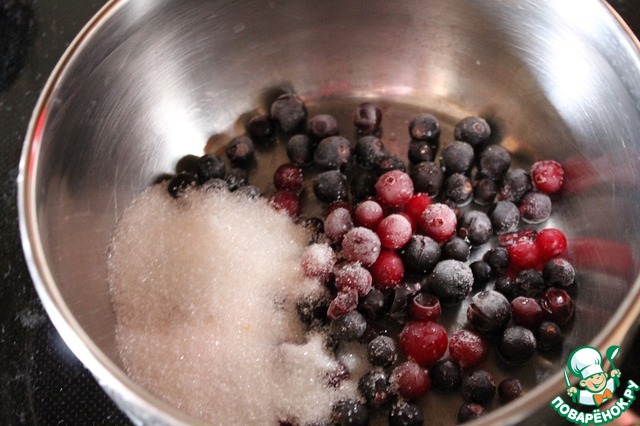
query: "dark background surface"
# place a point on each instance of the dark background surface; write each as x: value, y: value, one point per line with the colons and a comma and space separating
x: 41, y: 381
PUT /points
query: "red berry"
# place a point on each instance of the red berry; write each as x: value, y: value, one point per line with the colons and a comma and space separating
x: 411, y: 380
x: 467, y: 348
x: 337, y: 224
x: 551, y: 243
x: 425, y: 307
x: 524, y: 255
x: 511, y: 238
x: 394, y: 188
x: 290, y: 177
x: 387, y: 271
x: 287, y: 202
x: 526, y: 311
x: 424, y: 341
x: 353, y: 275
x: 416, y: 205
x: 557, y: 305
x: 439, y: 222
x: 345, y: 301
x: 361, y: 245
x: 547, y: 176
x: 318, y: 260
x: 394, y: 231
x: 368, y: 214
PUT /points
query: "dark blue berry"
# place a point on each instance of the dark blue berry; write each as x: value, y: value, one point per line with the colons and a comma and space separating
x: 549, y: 337
x: 289, y: 111
x: 236, y: 177
x: 240, y: 151
x: 210, y: 166
x: 387, y: 163
x: 457, y: 157
x: 489, y: 312
x: 505, y: 217
x: 215, y: 185
x: 456, y: 248
x: 367, y: 118
x: 470, y: 411
x: 451, y: 281
x: 473, y: 130
x: 530, y: 283
x: 458, y: 189
x: 363, y: 185
x: 427, y: 178
x: 349, y: 412
x: 372, y: 305
x: 420, y: 254
x: 484, y: 191
x: 424, y: 127
x: 515, y: 184
x: 375, y: 388
x: 369, y: 151
x: 333, y: 153
x: 350, y: 326
x: 330, y: 186
x: 188, y: 163
x: 261, y: 128
x: 494, y: 161
x: 420, y: 151
x: 559, y: 273
x: 445, y: 375
x: 300, y: 150
x: 475, y: 226
x: 313, y: 311
x: 498, y: 259
x: 517, y: 345
x: 506, y: 286
x: 404, y: 413
x: 180, y: 183
x: 535, y: 207
x: 382, y: 351
x: 322, y: 126
x: 478, y: 387
x: 481, y: 273
x: 509, y: 390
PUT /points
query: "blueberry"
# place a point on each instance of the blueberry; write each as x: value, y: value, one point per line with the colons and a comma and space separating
x: 481, y: 272
x: 404, y: 413
x: 420, y: 151
x: 489, y: 312
x: 506, y: 286
x: 427, y: 178
x: 289, y: 111
x: 236, y: 177
x: 509, y: 390
x: 350, y: 326
x: 484, y: 191
x: 210, y: 166
x: 515, y: 184
x: 369, y: 151
x: 530, y: 283
x: 382, y: 351
x: 445, y: 375
x: 240, y: 151
x: 451, y: 281
x: 420, y: 254
x: 498, y: 259
x: 473, y: 130
x: 478, y: 387
x: 517, y: 345
x: 458, y: 189
x: 505, y: 217
x: 549, y: 337
x: 375, y: 388
x: 332, y: 152
x: 494, y: 161
x: 457, y: 157
x: 362, y: 185
x: 330, y: 186
x: 349, y: 412
x: 367, y: 118
x: 456, y: 248
x: 559, y: 273
x: 470, y: 411
x: 261, y: 128
x: 424, y: 127
x: 387, y: 163
x: 372, y: 305
x: 322, y: 126
x: 313, y: 311
x: 476, y: 227
x: 300, y: 150
x: 180, y: 183
x: 535, y: 207
x: 188, y: 163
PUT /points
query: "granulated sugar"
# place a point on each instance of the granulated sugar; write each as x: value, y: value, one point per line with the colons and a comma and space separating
x: 204, y: 289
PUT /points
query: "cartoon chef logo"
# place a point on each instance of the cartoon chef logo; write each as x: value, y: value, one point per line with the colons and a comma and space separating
x: 596, y: 386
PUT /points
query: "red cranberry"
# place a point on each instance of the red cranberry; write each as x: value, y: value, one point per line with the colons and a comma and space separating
x: 557, y: 305
x: 318, y: 261
x: 337, y: 224
x: 368, y: 214
x: 394, y: 231
x: 287, y: 202
x: 394, y: 188
x: 467, y: 348
x: 387, y: 271
x: 439, y: 222
x: 425, y: 307
x: 551, y: 243
x: 524, y: 255
x: 416, y: 205
x: 513, y: 238
x: 290, y: 177
x: 353, y: 275
x: 361, y: 245
x: 424, y: 341
x: 547, y: 176
x: 527, y: 312
x: 411, y: 380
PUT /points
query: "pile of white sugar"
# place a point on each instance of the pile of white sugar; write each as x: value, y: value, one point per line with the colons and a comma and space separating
x: 204, y: 290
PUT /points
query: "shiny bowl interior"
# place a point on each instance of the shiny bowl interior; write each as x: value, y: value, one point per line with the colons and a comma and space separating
x: 148, y: 82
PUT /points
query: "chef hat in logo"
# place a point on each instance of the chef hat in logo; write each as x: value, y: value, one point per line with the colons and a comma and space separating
x: 585, y: 362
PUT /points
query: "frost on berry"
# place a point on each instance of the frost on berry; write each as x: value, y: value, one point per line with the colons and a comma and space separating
x: 318, y: 261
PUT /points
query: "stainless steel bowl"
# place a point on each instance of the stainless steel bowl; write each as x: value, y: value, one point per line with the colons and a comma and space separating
x: 147, y: 82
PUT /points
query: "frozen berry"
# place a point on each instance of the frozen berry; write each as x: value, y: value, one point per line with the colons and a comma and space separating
x: 494, y: 161
x: 427, y: 178
x: 517, y: 345
x: 557, y: 305
x: 404, y: 413
x: 240, y: 151
x: 236, y: 177
x: 509, y: 390
x: 369, y: 151
x: 451, y: 281
x: 420, y: 151
x: 388, y: 163
x: 425, y: 307
x: 387, y: 271
x: 559, y: 272
x: 478, y: 387
x: 445, y: 375
x: 349, y: 412
x: 361, y: 245
x: 372, y: 305
x: 438, y: 222
x: 420, y: 254
x: 481, y: 273
x: 401, y: 297
x: 529, y: 283
x: 410, y: 380
x: 337, y: 224
x: 286, y: 201
x: 457, y: 157
x: 535, y: 207
x: 515, y: 184
x: 526, y: 311
x: 330, y: 186
x: 489, y: 312
x: 498, y: 259
x: 423, y: 341
x: 551, y: 242
x: 547, y: 176
x: 506, y: 286
x: 417, y: 204
x: 382, y: 351
x: 368, y: 214
x: 318, y: 261
x: 288, y: 176
x: 353, y: 275
x: 261, y: 128
x: 484, y: 191
x: 289, y: 111
x: 476, y: 227
x: 322, y: 126
x: 549, y: 337
x: 210, y: 166
x: 180, y: 184
x: 362, y: 184
x: 456, y: 248
x: 394, y: 231
x: 467, y: 348
x: 349, y: 326
x: 457, y: 188
x: 473, y: 130
x: 394, y: 188
x: 517, y: 237
x: 505, y: 217
x: 470, y: 411
x: 524, y: 255
x: 367, y: 118
x: 300, y: 150
x: 424, y: 127
x: 332, y: 153
x: 374, y: 387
